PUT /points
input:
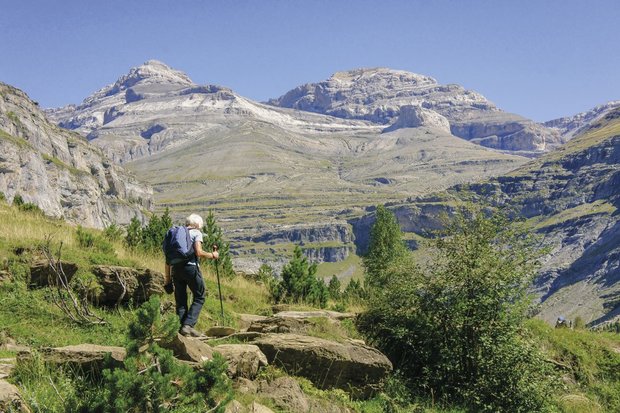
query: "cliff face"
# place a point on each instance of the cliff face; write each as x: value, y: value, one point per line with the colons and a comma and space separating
x: 59, y: 171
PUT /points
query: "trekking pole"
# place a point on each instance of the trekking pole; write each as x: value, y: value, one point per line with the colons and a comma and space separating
x: 219, y: 287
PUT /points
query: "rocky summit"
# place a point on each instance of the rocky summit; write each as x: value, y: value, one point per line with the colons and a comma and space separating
x: 377, y: 95
x: 59, y: 171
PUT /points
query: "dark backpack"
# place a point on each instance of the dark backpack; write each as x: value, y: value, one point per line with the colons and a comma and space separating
x: 177, y: 246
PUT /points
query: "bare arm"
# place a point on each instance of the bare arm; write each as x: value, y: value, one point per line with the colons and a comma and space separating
x: 200, y: 253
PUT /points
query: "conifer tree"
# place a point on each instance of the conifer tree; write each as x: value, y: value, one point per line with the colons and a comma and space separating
x: 385, y: 249
x: 299, y: 282
x: 213, y: 236
x: 334, y: 288
x: 134, y: 233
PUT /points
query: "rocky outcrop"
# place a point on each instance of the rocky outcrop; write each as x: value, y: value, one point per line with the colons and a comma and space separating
x: 59, y: 171
x: 122, y: 284
x: 415, y: 117
x: 298, y: 322
x: 379, y: 95
x: 244, y: 360
x: 350, y: 366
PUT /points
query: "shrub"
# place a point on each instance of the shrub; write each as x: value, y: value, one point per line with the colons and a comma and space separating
x: 18, y: 201
x: 454, y: 327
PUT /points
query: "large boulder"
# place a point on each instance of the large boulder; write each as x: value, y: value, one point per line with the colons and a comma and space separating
x: 351, y: 366
x: 84, y: 357
x: 122, y: 284
x: 286, y: 393
x: 42, y: 275
x: 244, y: 360
x: 10, y: 399
x: 189, y: 349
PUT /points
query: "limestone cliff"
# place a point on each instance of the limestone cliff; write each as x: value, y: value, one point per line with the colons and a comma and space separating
x: 59, y: 171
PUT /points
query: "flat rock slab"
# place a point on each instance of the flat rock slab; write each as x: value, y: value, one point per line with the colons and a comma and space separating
x: 244, y: 360
x: 246, y: 320
x: 10, y: 399
x: 351, y: 366
x: 256, y: 407
x: 189, y: 349
x: 87, y: 357
x: 220, y: 331
x: 334, y: 315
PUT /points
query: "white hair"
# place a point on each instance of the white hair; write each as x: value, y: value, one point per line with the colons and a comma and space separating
x: 194, y: 220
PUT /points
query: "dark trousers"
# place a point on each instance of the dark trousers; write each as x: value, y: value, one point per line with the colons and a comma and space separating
x: 185, y: 276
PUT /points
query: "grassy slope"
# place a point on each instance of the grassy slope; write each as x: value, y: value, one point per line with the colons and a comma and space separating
x: 591, y: 360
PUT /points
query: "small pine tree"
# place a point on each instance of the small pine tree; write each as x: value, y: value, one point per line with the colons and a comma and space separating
x: 133, y: 239
x: 385, y: 249
x: 299, y: 282
x: 334, y: 288
x: 213, y: 236
x: 151, y: 379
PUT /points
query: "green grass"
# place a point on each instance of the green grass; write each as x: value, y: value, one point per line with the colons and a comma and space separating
x: 61, y: 164
x: 20, y: 142
x: 589, y: 363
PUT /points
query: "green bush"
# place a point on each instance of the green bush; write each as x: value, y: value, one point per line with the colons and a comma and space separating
x: 454, y: 327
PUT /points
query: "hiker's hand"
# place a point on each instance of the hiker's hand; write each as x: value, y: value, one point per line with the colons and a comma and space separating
x: 215, y: 254
x: 169, y: 288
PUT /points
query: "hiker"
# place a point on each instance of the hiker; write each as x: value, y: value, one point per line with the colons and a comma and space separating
x: 180, y: 276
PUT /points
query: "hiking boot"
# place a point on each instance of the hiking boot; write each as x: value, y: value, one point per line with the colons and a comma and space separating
x: 189, y: 331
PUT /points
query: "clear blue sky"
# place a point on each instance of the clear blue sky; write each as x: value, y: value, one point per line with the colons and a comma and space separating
x: 541, y: 59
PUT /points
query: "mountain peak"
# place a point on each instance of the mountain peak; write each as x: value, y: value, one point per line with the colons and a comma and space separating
x: 379, y: 74
x: 153, y: 71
